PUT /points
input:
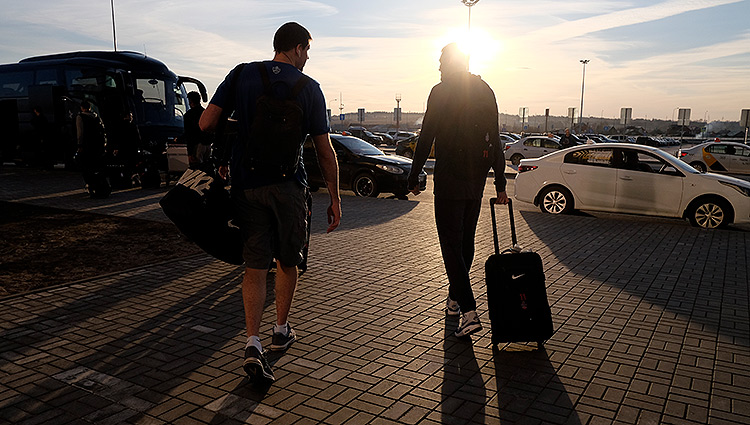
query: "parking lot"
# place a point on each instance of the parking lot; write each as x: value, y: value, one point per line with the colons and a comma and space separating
x: 651, y: 316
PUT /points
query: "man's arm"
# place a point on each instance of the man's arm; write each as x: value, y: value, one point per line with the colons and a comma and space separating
x: 329, y: 166
x: 424, y: 143
x: 210, y: 118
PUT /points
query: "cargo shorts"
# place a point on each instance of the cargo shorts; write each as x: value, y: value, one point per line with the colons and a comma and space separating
x: 273, y: 221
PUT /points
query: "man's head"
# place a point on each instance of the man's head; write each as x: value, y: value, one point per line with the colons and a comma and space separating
x: 453, y: 60
x: 293, y: 40
x: 567, y: 132
x: 85, y: 105
x: 194, y: 98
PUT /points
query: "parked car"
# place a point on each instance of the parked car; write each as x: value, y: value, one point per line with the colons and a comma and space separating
x: 363, y: 168
x: 530, y: 147
x: 364, y: 134
x: 401, y: 135
x: 387, y: 138
x: 622, y: 138
x: 630, y: 178
x: 407, y: 147
x: 718, y: 157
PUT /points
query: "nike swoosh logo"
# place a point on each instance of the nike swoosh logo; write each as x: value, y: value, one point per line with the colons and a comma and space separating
x: 516, y: 276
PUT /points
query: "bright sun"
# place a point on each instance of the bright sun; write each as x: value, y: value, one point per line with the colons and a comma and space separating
x: 482, y: 49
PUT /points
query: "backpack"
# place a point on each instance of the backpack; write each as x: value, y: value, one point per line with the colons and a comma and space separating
x: 275, y: 144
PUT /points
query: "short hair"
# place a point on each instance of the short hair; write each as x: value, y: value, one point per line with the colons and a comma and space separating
x: 85, y: 104
x: 289, y: 36
x: 194, y: 97
x: 455, y: 54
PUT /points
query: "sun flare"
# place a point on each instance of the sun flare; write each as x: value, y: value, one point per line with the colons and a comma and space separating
x: 482, y: 48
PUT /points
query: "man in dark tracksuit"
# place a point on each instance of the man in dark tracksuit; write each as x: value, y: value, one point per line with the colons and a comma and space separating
x: 459, y: 105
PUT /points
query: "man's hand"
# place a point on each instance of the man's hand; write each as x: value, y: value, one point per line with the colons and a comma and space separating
x: 502, y: 198
x: 334, y: 216
x: 415, y: 190
x: 223, y: 171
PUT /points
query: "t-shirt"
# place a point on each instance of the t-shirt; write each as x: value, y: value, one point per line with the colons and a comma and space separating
x: 249, y: 89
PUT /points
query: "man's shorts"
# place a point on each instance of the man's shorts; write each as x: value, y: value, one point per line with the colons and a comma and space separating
x: 273, y: 220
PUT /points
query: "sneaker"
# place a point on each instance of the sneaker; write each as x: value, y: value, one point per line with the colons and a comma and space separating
x: 469, y: 324
x: 452, y: 308
x: 256, y: 366
x: 280, y: 341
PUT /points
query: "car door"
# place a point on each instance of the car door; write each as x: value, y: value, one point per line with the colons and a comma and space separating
x: 738, y: 159
x: 549, y: 146
x: 647, y: 184
x: 716, y: 158
x: 592, y: 177
x: 344, y: 157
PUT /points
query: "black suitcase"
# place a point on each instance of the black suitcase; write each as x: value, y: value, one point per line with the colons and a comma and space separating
x: 516, y: 292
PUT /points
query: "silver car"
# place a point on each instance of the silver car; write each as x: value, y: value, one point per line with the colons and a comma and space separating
x: 530, y: 147
x: 718, y: 157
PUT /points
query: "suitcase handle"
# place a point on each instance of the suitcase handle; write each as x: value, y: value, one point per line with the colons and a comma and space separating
x: 494, y: 224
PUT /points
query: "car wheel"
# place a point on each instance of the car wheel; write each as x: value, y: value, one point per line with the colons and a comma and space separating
x: 365, y: 185
x: 556, y: 200
x: 698, y: 166
x: 516, y: 159
x: 710, y: 213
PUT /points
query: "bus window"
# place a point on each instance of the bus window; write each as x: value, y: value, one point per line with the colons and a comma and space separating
x: 152, y: 90
x: 15, y: 84
x: 46, y: 76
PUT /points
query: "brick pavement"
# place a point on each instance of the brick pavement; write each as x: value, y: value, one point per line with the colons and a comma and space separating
x: 651, y: 317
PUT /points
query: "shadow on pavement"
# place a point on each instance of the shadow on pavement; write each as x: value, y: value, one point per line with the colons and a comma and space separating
x: 528, y: 387
x: 463, y: 393
x: 687, y: 271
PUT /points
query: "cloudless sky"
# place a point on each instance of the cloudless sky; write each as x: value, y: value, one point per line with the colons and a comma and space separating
x: 651, y: 55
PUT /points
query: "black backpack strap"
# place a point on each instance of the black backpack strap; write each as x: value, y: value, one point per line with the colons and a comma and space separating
x: 298, y: 86
x: 264, y: 76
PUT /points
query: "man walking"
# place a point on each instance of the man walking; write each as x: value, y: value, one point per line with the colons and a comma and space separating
x: 271, y: 197
x: 461, y: 120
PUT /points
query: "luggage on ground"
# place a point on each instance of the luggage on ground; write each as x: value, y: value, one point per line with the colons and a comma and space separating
x: 516, y: 292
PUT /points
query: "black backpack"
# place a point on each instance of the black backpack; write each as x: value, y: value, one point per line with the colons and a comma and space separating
x: 276, y: 135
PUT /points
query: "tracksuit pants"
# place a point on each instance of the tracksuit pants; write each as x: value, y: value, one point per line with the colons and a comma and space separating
x: 456, y: 222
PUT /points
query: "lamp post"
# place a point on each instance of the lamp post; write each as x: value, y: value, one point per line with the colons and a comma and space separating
x: 398, y: 113
x: 114, y: 34
x: 469, y: 4
x: 583, y: 80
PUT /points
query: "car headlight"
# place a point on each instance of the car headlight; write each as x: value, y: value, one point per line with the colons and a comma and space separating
x: 390, y: 168
x: 742, y: 189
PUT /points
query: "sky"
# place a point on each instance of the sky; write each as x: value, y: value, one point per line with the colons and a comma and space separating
x: 653, y: 56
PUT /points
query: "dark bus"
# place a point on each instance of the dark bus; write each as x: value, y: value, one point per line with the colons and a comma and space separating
x: 140, y: 101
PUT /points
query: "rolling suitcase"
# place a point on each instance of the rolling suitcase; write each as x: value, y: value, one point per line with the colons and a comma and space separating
x: 516, y: 292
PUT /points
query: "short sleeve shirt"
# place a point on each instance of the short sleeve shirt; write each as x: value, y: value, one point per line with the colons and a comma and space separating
x: 249, y: 89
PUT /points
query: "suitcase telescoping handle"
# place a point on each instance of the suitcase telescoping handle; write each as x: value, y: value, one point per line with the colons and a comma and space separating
x: 494, y: 224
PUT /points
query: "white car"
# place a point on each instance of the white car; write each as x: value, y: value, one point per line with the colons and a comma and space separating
x: 629, y: 178
x: 530, y: 147
x: 718, y: 157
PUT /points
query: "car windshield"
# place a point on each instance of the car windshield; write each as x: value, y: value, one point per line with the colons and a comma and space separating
x: 359, y: 146
x: 680, y: 165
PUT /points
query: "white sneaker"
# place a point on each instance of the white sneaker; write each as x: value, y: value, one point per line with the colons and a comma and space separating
x: 451, y: 307
x: 469, y: 324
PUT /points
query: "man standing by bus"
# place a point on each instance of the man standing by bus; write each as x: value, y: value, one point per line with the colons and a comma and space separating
x: 92, y: 142
x: 272, y: 207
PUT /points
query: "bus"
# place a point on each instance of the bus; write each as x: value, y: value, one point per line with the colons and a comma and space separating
x: 140, y: 101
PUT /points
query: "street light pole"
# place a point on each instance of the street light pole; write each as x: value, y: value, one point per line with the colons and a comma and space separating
x: 469, y: 4
x: 114, y: 34
x: 398, y: 113
x: 583, y: 80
